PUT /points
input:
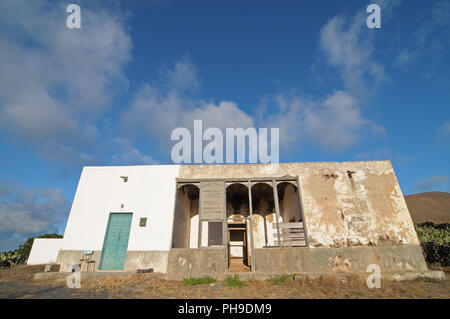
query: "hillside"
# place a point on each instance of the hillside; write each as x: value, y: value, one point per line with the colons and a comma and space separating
x: 429, y: 207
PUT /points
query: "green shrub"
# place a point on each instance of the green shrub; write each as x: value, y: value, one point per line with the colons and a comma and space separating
x: 234, y: 281
x: 429, y: 232
x: 277, y: 280
x: 11, y: 258
x: 192, y: 281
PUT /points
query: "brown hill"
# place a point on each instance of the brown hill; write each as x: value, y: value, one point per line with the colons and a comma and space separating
x: 429, y: 207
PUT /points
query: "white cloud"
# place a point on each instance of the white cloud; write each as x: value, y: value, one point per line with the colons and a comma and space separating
x: 339, y: 123
x: 444, y: 129
x: 26, y: 212
x: 159, y: 109
x: 55, y: 81
x: 223, y: 115
x: 60, y: 153
x: 432, y: 183
x: 384, y: 154
x: 334, y: 123
x: 182, y: 77
x: 126, y: 154
x: 348, y: 47
x: 69, y: 76
x: 432, y: 37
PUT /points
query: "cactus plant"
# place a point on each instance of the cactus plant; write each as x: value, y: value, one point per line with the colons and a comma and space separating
x: 11, y: 258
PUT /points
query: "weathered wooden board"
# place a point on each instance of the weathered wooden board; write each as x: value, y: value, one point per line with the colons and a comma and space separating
x: 299, y: 243
x: 212, y: 194
x: 292, y: 231
x: 295, y: 243
x: 293, y: 234
x: 289, y: 225
x: 297, y: 236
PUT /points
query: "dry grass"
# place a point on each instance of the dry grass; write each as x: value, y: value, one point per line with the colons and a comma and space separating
x: 351, y: 286
x: 20, y: 272
x: 148, y: 286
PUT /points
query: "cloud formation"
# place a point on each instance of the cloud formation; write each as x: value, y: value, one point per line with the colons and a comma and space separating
x: 336, y: 121
x: 433, y: 183
x: 127, y: 154
x: 431, y: 38
x: 26, y: 212
x: 158, y: 109
x: 348, y: 48
x: 55, y: 81
x: 444, y: 129
x: 69, y: 76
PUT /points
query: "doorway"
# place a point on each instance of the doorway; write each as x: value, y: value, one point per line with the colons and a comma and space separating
x: 115, y: 245
x: 238, y: 252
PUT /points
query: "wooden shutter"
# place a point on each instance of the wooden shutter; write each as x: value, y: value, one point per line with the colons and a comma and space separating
x: 212, y: 200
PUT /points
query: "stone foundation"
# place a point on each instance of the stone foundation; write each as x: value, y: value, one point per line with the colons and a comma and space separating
x: 134, y: 260
x: 185, y: 262
x: 349, y: 259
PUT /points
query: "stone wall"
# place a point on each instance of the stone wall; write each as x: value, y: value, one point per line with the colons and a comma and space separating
x: 390, y: 258
x: 134, y: 260
x: 186, y: 263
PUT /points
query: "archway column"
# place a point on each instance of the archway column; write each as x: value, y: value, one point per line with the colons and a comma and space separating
x: 277, y: 210
x: 252, y: 255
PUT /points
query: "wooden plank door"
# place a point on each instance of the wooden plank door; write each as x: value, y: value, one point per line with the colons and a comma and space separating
x: 115, y: 245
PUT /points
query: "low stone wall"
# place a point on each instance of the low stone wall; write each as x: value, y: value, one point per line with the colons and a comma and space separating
x: 157, y: 260
x: 196, y: 262
x: 350, y: 259
x: 67, y: 258
x: 185, y: 262
x: 134, y: 260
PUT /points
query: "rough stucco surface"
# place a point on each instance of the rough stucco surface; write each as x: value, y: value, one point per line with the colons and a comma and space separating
x: 390, y: 258
x: 134, y: 260
x: 366, y: 209
x: 196, y: 262
x: 66, y: 258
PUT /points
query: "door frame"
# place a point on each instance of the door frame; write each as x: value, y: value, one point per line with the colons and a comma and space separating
x: 246, y: 249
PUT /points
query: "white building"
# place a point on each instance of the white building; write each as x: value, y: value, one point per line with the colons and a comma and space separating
x: 196, y: 219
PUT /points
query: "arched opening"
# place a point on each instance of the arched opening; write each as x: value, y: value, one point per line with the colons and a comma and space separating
x: 237, y: 201
x: 289, y: 203
x: 264, y: 216
x: 185, y: 228
x: 292, y: 231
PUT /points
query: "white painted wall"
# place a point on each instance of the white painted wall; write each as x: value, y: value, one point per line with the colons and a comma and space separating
x: 44, y: 251
x: 149, y: 192
x: 193, y: 238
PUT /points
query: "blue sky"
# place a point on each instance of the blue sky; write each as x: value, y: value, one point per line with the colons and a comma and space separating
x: 111, y: 92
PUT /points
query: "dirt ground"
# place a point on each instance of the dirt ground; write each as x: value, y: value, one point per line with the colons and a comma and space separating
x: 18, y: 282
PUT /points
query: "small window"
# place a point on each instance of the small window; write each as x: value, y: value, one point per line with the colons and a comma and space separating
x: 215, y: 234
x: 143, y: 222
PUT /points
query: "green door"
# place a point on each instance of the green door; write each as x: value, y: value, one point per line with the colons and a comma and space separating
x: 116, y: 241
